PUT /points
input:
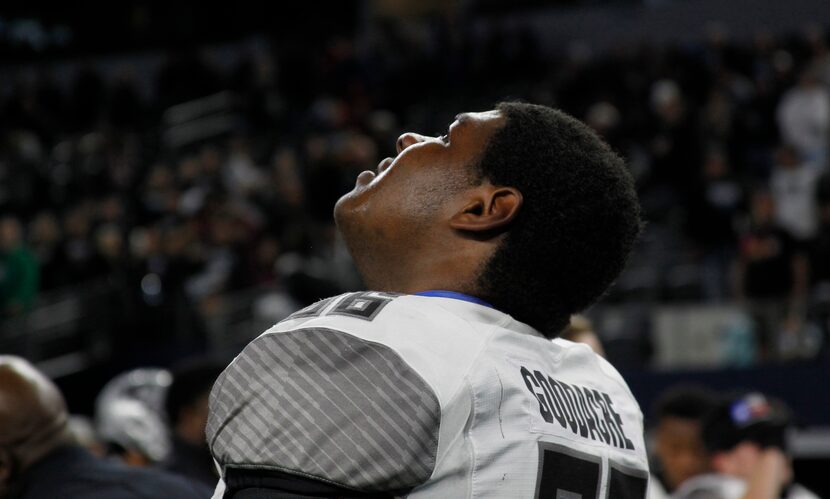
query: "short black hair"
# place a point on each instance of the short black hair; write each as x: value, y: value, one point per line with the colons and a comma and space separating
x: 578, y: 222
x: 192, y: 379
x: 686, y: 402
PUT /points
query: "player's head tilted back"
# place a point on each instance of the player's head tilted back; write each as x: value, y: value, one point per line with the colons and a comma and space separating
x: 523, y: 206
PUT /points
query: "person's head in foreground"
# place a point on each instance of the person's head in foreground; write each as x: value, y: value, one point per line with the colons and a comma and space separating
x: 738, y: 431
x: 678, y: 445
x: 523, y: 207
x: 33, y: 419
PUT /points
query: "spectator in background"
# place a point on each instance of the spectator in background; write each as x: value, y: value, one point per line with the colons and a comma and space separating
x: 129, y: 417
x: 331, y: 108
x: 771, y: 278
x: 39, y: 459
x: 745, y: 442
x: 78, y: 247
x: 675, y: 144
x: 711, y: 219
x: 804, y: 117
x: 821, y: 54
x: 678, y: 446
x: 820, y: 256
x: 186, y: 405
x: 45, y: 241
x: 241, y: 176
x: 18, y: 270
x: 793, y: 187
x: 581, y: 330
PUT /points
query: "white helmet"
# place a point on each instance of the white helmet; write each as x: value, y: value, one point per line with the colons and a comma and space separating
x: 129, y: 412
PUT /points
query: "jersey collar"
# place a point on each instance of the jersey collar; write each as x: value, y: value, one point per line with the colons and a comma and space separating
x: 439, y: 293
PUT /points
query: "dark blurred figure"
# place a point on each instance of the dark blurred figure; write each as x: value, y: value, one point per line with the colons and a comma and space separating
x: 186, y: 404
x: 81, y: 264
x: 39, y: 459
x: 745, y: 441
x: 44, y: 234
x: 88, y: 94
x: 674, y: 144
x: 18, y: 270
x: 678, y: 445
x: 772, y: 278
x: 125, y: 107
x: 711, y: 219
x: 820, y: 256
x: 185, y: 76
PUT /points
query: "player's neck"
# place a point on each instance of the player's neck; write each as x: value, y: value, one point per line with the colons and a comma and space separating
x: 411, y: 278
x: 428, y: 261
x: 419, y: 285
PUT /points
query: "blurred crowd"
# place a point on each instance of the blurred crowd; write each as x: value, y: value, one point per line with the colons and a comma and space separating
x: 722, y: 445
x: 99, y: 182
x: 147, y: 439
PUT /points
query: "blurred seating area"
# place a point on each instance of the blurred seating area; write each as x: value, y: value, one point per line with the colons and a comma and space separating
x: 178, y: 202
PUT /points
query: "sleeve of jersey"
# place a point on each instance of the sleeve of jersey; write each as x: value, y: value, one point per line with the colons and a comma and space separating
x: 325, y: 405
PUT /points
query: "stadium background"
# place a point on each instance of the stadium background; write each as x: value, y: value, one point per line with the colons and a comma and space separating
x: 169, y: 170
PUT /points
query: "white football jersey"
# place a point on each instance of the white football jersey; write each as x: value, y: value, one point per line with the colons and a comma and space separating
x: 432, y: 397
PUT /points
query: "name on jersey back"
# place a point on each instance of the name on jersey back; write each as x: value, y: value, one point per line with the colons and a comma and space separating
x: 584, y: 411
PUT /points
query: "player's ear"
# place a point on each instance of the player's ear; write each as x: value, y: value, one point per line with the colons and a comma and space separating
x: 489, y: 209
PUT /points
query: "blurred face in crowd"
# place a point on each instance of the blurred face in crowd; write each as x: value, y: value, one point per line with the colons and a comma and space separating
x: 10, y: 233
x: 763, y: 208
x: 742, y: 460
x: 402, y: 207
x: 715, y: 167
x: 44, y: 229
x: 680, y: 450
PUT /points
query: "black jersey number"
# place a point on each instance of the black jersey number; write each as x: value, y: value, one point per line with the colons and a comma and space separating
x: 565, y: 473
x: 364, y: 305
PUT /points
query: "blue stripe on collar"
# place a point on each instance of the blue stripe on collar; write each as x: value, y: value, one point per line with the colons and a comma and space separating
x: 455, y: 296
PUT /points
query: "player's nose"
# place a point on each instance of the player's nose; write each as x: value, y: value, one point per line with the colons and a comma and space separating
x: 407, y: 140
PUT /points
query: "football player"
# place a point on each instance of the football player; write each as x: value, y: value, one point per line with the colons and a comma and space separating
x: 442, y: 381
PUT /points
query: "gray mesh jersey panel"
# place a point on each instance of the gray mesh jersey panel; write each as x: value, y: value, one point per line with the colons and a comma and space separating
x: 329, y: 405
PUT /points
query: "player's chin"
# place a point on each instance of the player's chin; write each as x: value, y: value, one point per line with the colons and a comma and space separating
x: 347, y: 217
x: 353, y: 203
x: 343, y: 207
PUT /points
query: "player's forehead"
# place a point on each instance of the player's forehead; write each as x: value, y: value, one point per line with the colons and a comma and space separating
x: 678, y: 426
x: 475, y: 128
x: 491, y: 117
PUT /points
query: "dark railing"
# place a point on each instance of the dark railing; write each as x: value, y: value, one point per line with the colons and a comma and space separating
x: 63, y: 334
